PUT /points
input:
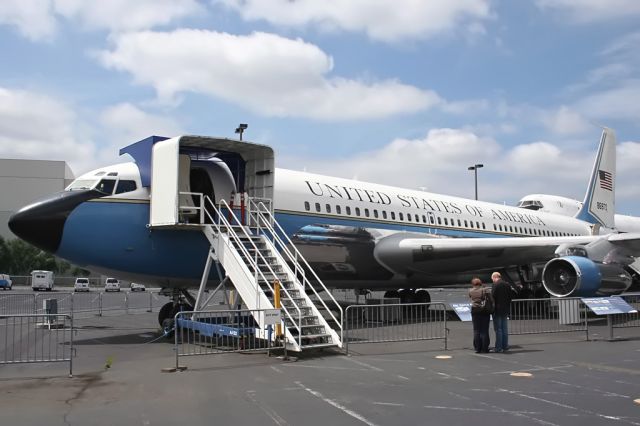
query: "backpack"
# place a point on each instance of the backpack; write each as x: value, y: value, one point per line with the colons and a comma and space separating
x: 486, y: 303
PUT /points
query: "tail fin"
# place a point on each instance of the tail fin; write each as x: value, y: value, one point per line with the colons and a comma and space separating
x: 599, y: 202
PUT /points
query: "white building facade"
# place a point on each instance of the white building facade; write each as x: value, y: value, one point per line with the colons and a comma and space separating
x: 25, y: 181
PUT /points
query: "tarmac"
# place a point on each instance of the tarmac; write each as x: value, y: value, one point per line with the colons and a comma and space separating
x: 545, y: 379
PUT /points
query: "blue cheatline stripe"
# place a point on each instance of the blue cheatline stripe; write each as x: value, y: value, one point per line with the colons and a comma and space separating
x: 115, y: 236
x: 292, y: 222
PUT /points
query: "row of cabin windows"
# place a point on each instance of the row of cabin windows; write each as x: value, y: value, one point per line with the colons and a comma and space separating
x: 430, y: 219
x: 532, y: 231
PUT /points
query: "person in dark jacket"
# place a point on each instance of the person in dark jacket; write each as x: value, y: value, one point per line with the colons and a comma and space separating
x: 502, y: 295
x: 480, y: 320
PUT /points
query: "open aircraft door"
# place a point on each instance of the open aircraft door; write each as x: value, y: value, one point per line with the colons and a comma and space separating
x: 165, y: 171
x: 251, y: 166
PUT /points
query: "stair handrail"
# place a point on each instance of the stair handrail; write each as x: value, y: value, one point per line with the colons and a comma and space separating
x: 232, y: 233
x: 296, y: 260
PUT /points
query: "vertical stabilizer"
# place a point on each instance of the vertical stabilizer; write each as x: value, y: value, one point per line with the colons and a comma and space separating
x: 599, y: 202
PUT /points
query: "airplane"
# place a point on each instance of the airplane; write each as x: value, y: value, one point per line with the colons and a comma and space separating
x: 129, y: 221
x: 569, y: 207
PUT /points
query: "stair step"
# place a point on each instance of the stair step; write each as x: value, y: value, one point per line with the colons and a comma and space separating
x: 312, y: 326
x: 312, y: 336
x: 318, y: 345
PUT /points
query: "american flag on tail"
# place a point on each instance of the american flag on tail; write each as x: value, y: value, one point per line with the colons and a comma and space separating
x: 606, y: 182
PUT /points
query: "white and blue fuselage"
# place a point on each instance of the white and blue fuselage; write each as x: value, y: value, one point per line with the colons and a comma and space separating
x: 334, y: 222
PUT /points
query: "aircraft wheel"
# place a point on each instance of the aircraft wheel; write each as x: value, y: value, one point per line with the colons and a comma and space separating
x: 389, y: 294
x: 165, y: 313
x: 423, y: 296
x: 407, y: 296
x: 169, y: 311
x: 167, y: 327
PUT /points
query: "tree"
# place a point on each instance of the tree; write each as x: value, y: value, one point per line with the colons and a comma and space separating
x: 18, y: 257
x: 4, y: 256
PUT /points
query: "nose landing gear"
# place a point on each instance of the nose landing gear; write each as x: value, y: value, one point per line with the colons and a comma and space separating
x: 181, y: 301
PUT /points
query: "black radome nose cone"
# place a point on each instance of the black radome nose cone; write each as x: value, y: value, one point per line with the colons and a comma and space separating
x: 42, y: 222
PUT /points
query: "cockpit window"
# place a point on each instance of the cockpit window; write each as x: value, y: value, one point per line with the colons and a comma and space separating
x: 106, y: 186
x: 530, y: 204
x: 126, y: 186
x: 80, y: 184
x: 112, y: 174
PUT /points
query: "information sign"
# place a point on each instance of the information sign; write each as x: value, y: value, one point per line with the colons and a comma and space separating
x: 463, y: 310
x: 272, y: 316
x: 608, y: 305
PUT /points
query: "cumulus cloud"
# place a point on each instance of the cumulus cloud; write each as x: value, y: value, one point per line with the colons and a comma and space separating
x: 128, y: 123
x: 437, y: 162
x: 565, y: 121
x: 585, y: 11
x: 269, y: 74
x: 628, y: 158
x: 125, y: 124
x: 34, y: 19
x: 37, y: 126
x: 617, y: 103
x: 379, y: 19
x: 126, y: 15
x: 39, y: 19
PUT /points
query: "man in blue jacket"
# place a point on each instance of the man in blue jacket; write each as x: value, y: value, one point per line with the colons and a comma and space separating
x: 502, y: 295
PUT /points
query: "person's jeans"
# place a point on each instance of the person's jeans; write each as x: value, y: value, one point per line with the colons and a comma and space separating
x: 481, y: 332
x: 502, y: 332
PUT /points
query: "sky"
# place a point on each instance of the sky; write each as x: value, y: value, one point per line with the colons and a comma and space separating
x: 404, y: 92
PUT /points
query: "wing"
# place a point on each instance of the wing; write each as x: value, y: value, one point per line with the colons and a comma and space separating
x: 406, y: 254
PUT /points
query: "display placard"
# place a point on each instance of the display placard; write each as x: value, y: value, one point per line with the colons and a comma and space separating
x: 463, y: 310
x: 608, y: 305
x: 272, y: 316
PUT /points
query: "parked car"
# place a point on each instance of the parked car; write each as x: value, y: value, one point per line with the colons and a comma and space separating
x: 112, y: 284
x: 137, y: 287
x: 42, y: 280
x: 81, y: 284
x: 5, y: 282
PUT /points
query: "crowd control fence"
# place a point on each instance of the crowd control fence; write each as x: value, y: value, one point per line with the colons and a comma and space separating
x: 222, y: 331
x: 537, y: 316
x: 631, y: 319
x: 36, y: 338
x: 81, y: 304
x: 381, y: 323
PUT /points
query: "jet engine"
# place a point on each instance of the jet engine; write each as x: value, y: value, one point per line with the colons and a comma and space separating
x: 577, y: 276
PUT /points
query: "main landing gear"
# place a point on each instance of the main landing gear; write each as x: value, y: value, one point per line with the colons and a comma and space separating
x: 409, y: 295
x: 182, y: 300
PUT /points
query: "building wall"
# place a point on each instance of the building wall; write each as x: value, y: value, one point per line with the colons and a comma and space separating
x: 25, y: 181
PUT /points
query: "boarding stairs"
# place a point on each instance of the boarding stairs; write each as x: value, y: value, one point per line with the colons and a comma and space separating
x: 256, y: 256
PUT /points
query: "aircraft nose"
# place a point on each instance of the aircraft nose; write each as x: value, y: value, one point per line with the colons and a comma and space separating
x: 42, y: 223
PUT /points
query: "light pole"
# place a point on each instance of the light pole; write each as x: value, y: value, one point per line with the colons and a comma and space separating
x: 241, y: 128
x: 475, y: 168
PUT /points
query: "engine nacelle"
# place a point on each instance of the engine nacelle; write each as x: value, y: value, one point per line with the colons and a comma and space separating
x: 576, y: 276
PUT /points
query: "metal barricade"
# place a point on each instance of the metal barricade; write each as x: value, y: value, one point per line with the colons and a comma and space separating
x: 36, y: 338
x: 631, y: 319
x: 394, y: 323
x: 86, y: 303
x: 157, y: 301
x: 113, y: 302
x: 140, y: 301
x: 17, y: 304
x: 556, y: 315
x: 224, y: 331
x: 65, y: 302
